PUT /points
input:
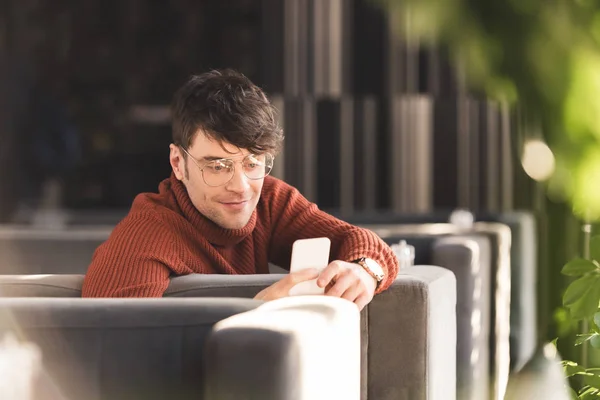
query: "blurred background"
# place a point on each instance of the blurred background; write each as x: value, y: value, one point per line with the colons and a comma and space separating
x: 409, y: 107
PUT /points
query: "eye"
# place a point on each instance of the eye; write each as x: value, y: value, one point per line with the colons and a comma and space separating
x: 218, y: 166
x: 253, y: 162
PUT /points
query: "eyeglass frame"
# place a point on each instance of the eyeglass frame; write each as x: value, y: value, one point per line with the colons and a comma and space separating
x: 233, y: 162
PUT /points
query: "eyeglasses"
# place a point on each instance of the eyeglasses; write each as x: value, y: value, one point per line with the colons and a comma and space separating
x: 220, y: 172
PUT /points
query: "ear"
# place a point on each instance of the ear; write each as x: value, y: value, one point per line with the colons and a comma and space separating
x: 177, y: 161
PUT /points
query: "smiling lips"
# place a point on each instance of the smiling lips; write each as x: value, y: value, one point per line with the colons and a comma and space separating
x: 234, y: 205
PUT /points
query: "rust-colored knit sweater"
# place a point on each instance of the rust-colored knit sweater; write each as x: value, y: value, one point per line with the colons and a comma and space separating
x: 165, y: 235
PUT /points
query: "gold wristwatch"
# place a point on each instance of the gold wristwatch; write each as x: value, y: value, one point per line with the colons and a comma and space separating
x: 372, y: 268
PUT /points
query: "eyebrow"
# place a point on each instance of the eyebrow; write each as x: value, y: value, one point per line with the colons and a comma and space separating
x: 212, y: 158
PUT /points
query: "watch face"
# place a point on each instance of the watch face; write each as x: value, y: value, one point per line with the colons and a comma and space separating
x: 374, y: 267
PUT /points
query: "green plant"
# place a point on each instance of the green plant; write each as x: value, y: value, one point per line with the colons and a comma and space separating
x: 582, y: 299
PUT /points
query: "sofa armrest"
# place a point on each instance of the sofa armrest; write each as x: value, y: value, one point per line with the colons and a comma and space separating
x: 301, y: 348
x: 412, y: 337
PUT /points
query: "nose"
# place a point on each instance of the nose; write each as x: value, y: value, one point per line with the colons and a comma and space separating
x: 239, y: 183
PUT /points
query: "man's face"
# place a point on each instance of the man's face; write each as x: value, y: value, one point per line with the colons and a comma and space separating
x: 230, y: 205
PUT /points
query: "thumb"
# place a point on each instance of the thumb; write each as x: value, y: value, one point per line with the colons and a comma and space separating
x: 303, y: 275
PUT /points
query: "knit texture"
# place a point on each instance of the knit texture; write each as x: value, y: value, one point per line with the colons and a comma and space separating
x: 164, y: 235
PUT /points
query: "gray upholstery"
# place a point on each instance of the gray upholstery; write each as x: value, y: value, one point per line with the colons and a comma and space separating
x: 26, y: 250
x: 413, y: 355
x: 523, y: 268
x: 469, y: 258
x: 127, y: 349
x: 41, y: 285
x: 311, y: 342
x: 523, y: 258
x: 499, y: 236
x: 408, y: 332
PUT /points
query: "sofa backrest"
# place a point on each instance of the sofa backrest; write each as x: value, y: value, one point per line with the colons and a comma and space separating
x: 95, y: 349
x: 29, y: 250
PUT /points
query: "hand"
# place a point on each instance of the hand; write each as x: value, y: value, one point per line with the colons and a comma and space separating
x: 282, y: 288
x: 348, y: 281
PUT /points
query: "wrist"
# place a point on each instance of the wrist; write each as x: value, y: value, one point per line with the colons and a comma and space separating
x: 373, y: 269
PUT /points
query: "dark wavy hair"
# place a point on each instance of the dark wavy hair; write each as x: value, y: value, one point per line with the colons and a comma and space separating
x: 226, y: 106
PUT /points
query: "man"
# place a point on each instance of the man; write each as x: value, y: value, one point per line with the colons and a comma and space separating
x: 220, y: 212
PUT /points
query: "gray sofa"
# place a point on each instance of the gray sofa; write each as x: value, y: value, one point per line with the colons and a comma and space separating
x: 504, y: 348
x: 468, y: 256
x: 408, y: 333
x: 196, y: 348
x: 523, y: 265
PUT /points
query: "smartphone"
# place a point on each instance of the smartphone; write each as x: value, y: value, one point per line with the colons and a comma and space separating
x: 309, y: 253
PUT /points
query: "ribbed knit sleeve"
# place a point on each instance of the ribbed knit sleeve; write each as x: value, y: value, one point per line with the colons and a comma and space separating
x: 132, y: 262
x: 294, y: 217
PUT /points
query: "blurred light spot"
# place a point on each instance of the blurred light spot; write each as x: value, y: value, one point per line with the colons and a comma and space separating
x: 550, y: 351
x: 476, y: 323
x: 20, y: 364
x: 462, y: 218
x: 474, y: 356
x: 538, y: 160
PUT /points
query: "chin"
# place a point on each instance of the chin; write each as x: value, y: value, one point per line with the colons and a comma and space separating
x: 234, y: 226
x: 238, y: 223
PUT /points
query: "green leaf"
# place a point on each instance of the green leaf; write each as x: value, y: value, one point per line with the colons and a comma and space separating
x: 577, y: 289
x: 578, y: 267
x: 584, y: 337
x: 595, y: 341
x: 582, y: 296
x: 586, y: 391
x: 590, y: 394
x: 571, y: 370
x: 597, y: 319
x: 594, y: 370
x: 595, y: 248
x: 591, y: 379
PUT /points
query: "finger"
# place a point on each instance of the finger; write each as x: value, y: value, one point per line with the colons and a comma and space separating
x: 266, y: 294
x: 260, y: 295
x: 362, y: 300
x: 353, y: 292
x: 329, y: 273
x: 329, y: 286
x: 342, y: 284
x: 303, y: 275
x: 282, y: 287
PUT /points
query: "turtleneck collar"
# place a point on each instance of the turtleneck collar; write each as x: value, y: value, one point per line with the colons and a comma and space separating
x: 214, y: 233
